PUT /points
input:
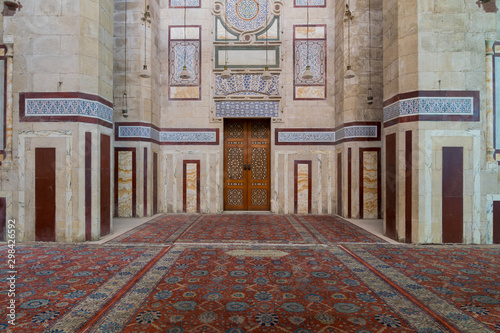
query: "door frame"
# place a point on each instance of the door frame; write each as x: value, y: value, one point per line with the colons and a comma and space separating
x: 246, y: 156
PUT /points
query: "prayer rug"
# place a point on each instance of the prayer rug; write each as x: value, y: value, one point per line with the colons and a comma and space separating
x: 334, y: 229
x: 238, y: 228
x: 54, y: 279
x: 459, y: 283
x: 261, y: 289
x: 161, y: 230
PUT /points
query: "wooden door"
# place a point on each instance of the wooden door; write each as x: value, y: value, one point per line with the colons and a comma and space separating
x: 453, y: 195
x: 45, y: 194
x: 247, y: 164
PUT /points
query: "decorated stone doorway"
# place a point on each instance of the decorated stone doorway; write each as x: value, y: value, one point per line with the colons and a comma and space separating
x: 247, y: 145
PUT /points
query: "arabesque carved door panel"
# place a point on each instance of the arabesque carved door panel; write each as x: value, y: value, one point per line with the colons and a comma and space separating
x: 247, y: 164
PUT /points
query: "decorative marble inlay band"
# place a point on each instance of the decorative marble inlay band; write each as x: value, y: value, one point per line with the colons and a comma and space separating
x: 246, y: 84
x: 162, y: 136
x: 247, y: 109
x: 306, y: 137
x: 67, y: 107
x: 186, y: 3
x: 310, y: 3
x: 353, y: 131
x: 430, y: 106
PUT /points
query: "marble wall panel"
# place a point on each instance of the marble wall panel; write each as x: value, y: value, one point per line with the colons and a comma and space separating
x: 303, y: 188
x: 370, y: 185
x: 191, y: 187
x: 311, y: 92
x: 125, y: 184
x: 184, y: 92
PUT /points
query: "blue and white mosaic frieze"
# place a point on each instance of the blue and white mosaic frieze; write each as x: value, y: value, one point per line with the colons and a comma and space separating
x: 185, y: 53
x: 246, y: 84
x: 247, y: 15
x: 314, y: 56
x: 144, y: 132
x: 430, y: 106
x: 332, y: 137
x: 68, y: 107
x: 185, y: 3
x: 305, y: 137
x: 354, y: 132
x: 247, y: 109
x: 305, y: 3
x: 188, y: 137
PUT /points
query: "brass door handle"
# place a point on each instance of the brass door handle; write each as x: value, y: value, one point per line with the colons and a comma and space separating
x: 247, y: 167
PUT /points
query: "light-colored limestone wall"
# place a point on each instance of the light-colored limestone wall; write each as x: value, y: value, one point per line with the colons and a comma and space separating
x: 283, y: 182
x: 400, y: 47
x: 366, y: 61
x: 57, y: 46
x: 70, y: 180
x: 170, y: 178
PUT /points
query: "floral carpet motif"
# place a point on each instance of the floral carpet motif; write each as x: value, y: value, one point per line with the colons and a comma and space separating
x: 236, y: 228
x: 337, y: 230
x: 161, y: 230
x: 53, y: 279
x: 466, y: 277
x: 258, y: 289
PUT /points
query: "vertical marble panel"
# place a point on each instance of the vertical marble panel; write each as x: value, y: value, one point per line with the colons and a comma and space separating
x: 125, y: 184
x: 191, y: 187
x: 370, y: 185
x: 302, y: 189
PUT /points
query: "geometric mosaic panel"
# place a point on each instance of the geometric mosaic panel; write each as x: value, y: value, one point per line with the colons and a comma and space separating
x: 184, y: 53
x: 247, y: 109
x: 184, y: 50
x: 246, y: 85
x: 314, y: 56
x: 247, y: 15
x: 430, y: 106
x: 327, y: 136
x: 309, y: 45
x: 180, y: 137
x: 68, y: 107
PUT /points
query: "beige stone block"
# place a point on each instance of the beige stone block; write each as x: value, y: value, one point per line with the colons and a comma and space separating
x: 47, y: 8
x: 89, y: 9
x: 89, y: 66
x: 46, y: 82
x: 52, y: 64
x: 47, y: 45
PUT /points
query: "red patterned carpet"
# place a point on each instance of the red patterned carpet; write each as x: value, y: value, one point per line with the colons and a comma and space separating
x: 53, y: 279
x: 289, y: 290
x: 253, y: 273
x: 161, y: 230
x: 338, y: 230
x: 467, y: 277
x: 235, y: 228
